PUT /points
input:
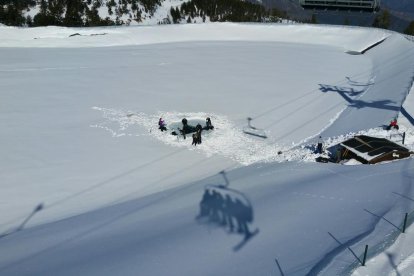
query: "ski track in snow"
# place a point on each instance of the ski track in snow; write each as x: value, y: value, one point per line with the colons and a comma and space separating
x: 406, y: 264
x: 226, y: 139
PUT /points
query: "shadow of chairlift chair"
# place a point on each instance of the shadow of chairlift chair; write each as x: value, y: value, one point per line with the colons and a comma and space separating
x: 234, y: 195
x: 251, y: 130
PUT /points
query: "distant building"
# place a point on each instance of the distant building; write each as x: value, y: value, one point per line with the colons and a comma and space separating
x: 371, y: 150
x: 369, y: 5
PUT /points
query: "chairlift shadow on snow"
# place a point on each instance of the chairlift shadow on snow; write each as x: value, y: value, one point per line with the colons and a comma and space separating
x: 251, y: 130
x: 340, y: 89
x: 346, y: 93
x: 229, y: 209
x: 358, y: 83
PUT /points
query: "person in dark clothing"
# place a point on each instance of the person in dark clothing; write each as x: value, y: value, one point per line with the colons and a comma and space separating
x: 161, y: 125
x: 338, y: 154
x: 195, y: 139
x: 184, y: 121
x: 199, y: 128
x: 184, y: 130
x: 320, y: 145
x: 208, y: 124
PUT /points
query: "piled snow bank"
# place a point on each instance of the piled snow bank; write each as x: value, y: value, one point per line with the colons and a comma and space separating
x: 351, y: 39
x: 227, y: 139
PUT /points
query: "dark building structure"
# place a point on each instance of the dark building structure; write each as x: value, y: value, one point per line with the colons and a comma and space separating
x: 371, y: 150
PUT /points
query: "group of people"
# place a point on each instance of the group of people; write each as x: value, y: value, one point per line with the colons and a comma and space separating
x: 187, y: 129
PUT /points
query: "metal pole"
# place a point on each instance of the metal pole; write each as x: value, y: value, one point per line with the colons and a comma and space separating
x: 248, y: 121
x: 365, y: 255
x: 403, y: 138
x: 405, y: 222
x: 225, y: 178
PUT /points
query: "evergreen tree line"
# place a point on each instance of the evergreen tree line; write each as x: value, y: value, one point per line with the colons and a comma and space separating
x: 224, y: 10
x: 72, y: 13
x: 383, y: 20
x: 11, y: 11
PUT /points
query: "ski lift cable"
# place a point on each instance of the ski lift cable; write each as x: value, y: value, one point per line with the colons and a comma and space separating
x: 364, y: 73
x: 302, y: 96
x: 391, y: 62
x: 361, y: 74
x: 101, y: 184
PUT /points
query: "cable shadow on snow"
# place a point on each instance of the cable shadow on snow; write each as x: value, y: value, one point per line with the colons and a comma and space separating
x: 344, y: 245
x: 38, y: 208
x: 328, y: 257
x: 131, y: 208
x: 227, y: 208
x: 382, y: 217
x: 404, y: 196
x: 112, y: 179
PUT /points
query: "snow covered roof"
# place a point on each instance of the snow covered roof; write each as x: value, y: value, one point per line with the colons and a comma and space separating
x: 371, y: 148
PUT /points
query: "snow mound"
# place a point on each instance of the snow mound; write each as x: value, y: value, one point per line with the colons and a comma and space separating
x: 227, y: 139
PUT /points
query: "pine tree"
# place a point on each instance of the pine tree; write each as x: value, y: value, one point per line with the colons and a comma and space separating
x: 410, y: 29
x: 383, y: 20
x: 313, y: 19
x: 73, y: 15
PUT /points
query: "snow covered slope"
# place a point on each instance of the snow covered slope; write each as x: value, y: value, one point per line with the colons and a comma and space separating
x: 79, y: 116
x: 351, y: 39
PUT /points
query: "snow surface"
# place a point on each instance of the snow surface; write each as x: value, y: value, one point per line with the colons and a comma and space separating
x: 79, y: 117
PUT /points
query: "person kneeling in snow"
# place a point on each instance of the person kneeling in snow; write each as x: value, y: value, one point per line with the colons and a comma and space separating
x: 208, y: 124
x: 393, y: 124
x: 161, y: 125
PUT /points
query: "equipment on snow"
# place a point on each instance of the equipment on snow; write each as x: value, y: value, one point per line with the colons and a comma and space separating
x: 251, y: 130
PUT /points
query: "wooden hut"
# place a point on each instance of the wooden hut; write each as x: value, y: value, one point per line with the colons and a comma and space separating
x: 371, y: 150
